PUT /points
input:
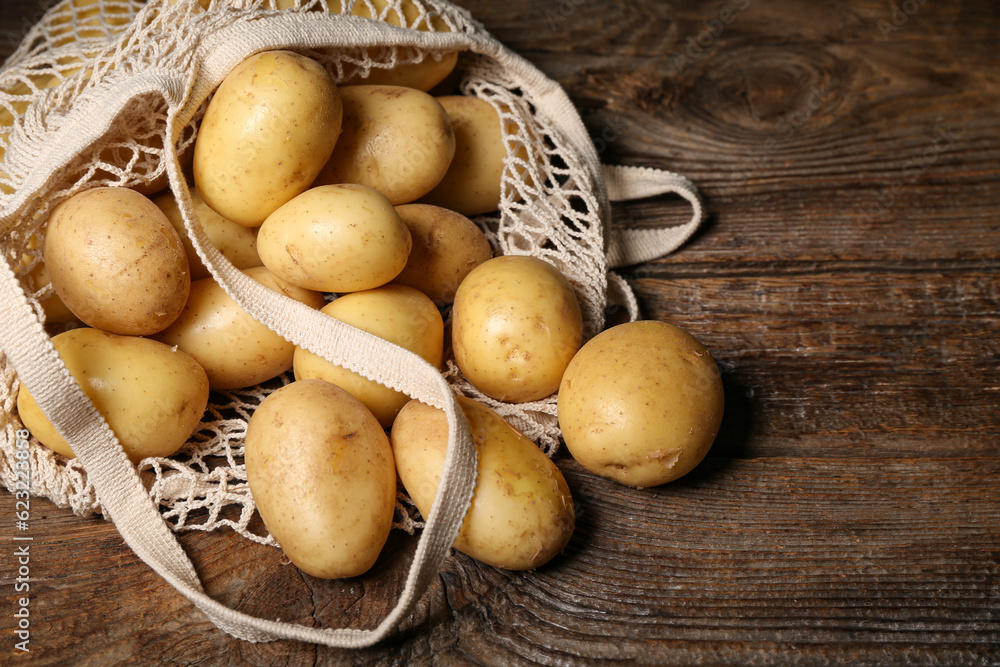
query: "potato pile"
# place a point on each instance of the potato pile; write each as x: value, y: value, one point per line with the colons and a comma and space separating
x: 353, y: 199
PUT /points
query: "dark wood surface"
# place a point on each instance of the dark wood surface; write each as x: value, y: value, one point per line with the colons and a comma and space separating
x: 847, y: 283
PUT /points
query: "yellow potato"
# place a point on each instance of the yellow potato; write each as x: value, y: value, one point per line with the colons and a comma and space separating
x: 116, y: 261
x: 237, y: 243
x: 422, y: 75
x: 396, y: 313
x: 267, y: 132
x: 522, y: 511
x: 396, y: 140
x: 641, y: 403
x: 404, y: 13
x: 37, y: 277
x: 446, y: 247
x: 335, y: 238
x: 235, y: 349
x: 516, y: 323
x: 472, y: 184
x: 322, y: 475
x: 55, y: 310
x: 152, y: 396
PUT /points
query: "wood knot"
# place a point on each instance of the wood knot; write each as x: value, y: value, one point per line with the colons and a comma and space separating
x: 768, y: 88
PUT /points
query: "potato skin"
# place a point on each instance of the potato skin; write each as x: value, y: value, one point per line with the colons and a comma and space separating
x: 152, y: 396
x: 322, y: 474
x: 237, y: 243
x: 423, y: 75
x: 396, y: 313
x: 446, y: 247
x: 641, y: 403
x: 235, y: 349
x: 116, y: 262
x: 522, y: 511
x: 516, y: 323
x: 472, y: 184
x: 56, y: 312
x: 394, y: 139
x: 268, y: 130
x: 335, y: 238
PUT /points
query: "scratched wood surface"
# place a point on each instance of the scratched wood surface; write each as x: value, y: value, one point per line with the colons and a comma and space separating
x: 846, y: 282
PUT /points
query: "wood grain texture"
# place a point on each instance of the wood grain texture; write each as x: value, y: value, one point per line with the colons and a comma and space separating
x: 826, y: 559
x: 847, y: 282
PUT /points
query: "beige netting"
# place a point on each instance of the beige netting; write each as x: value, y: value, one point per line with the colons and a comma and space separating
x: 203, y: 487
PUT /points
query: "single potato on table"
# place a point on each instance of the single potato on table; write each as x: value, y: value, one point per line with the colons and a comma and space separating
x: 522, y: 511
x: 516, y: 323
x: 641, y: 403
x: 152, y: 396
x: 322, y: 475
x: 235, y: 349
x: 396, y: 313
x: 116, y: 262
x: 447, y: 246
x: 394, y: 139
x: 268, y: 130
x: 335, y: 238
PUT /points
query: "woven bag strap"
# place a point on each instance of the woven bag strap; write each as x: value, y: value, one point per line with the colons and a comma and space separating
x: 633, y: 246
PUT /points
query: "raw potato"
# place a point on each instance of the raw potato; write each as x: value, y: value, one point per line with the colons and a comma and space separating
x: 235, y: 349
x: 396, y: 140
x: 446, y: 247
x: 423, y: 75
x: 396, y: 313
x: 152, y: 396
x: 335, y: 238
x: 522, y: 512
x: 267, y: 132
x: 56, y: 312
x: 322, y: 475
x: 641, y: 403
x: 405, y: 13
x: 471, y: 185
x: 237, y: 243
x: 516, y: 323
x: 116, y: 261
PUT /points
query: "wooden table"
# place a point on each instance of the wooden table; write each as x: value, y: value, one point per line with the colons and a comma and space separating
x: 847, y: 283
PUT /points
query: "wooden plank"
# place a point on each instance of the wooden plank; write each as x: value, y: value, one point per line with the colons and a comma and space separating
x: 785, y: 112
x: 842, y: 360
x: 846, y: 281
x: 832, y: 559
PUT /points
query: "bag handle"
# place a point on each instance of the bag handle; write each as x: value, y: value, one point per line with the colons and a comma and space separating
x: 634, y: 246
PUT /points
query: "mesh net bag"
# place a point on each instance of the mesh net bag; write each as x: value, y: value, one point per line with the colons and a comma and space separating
x: 110, y: 92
